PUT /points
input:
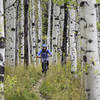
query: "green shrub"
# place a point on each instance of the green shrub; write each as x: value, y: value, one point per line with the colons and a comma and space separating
x: 61, y: 84
x: 19, y: 83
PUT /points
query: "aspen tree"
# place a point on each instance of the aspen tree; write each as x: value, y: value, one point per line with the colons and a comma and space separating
x: 90, y: 50
x: 2, y: 50
x: 55, y: 31
x: 10, y: 13
x: 73, y: 52
x: 33, y: 33
x: 39, y: 26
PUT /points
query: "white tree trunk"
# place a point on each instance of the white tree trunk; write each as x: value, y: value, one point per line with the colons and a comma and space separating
x: 17, y: 35
x: 2, y: 50
x: 10, y: 32
x: 39, y: 26
x: 73, y: 52
x: 30, y: 33
x: 98, y: 22
x: 33, y: 34
x: 89, y: 32
x: 77, y: 34
x: 56, y: 31
x: 49, y: 23
x: 21, y: 32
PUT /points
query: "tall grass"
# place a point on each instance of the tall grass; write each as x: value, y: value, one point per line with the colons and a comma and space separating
x: 58, y: 84
x: 19, y: 83
x: 61, y: 84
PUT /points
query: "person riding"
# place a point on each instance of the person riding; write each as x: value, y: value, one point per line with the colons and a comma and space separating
x: 44, y: 53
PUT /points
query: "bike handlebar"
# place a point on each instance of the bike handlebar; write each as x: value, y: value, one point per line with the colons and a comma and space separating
x: 41, y: 57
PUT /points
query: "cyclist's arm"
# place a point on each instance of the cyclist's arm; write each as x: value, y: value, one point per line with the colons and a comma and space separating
x: 50, y: 54
x: 39, y: 54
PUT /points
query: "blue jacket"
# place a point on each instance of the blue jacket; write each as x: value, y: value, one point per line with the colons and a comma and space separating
x: 44, y: 55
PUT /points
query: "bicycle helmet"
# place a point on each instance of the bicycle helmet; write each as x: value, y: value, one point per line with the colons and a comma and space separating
x: 44, y: 46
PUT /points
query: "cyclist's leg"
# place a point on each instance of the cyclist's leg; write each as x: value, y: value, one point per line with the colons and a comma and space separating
x: 42, y: 67
x: 47, y: 64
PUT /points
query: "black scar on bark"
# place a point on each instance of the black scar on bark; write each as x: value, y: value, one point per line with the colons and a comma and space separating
x: 22, y: 57
x: 92, y: 14
x: 82, y: 49
x: 33, y: 24
x: 62, y: 7
x: 1, y: 57
x: 2, y: 78
x: 82, y: 37
x: 2, y: 69
x: 84, y: 58
x: 22, y: 33
x: 83, y: 3
x: 39, y: 41
x: 83, y: 19
x: 86, y: 73
x: 88, y: 51
x: 12, y: 29
x: 89, y: 94
x: 55, y: 45
x: 71, y: 22
x: 90, y: 41
x: 34, y: 46
x: 57, y: 18
x: 2, y: 42
x: 87, y: 90
x: 54, y: 38
x: 93, y: 63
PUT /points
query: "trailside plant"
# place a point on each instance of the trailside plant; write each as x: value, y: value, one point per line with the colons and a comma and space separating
x: 61, y: 84
x: 19, y: 83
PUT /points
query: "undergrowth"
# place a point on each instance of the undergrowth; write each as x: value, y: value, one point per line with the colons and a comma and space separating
x: 61, y: 84
x: 19, y: 82
x: 58, y: 84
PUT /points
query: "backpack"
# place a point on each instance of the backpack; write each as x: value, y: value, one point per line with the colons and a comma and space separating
x: 44, y: 54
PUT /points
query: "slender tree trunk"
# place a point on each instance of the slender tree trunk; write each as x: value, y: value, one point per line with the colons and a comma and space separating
x: 21, y: 32
x: 10, y: 11
x: 33, y: 34
x: 30, y: 32
x: 89, y: 34
x: 73, y: 52
x: 2, y: 50
x: 77, y: 32
x: 39, y: 26
x: 17, y: 35
x: 49, y: 23
x: 62, y: 15
x: 26, y: 52
x: 98, y: 23
x: 56, y: 31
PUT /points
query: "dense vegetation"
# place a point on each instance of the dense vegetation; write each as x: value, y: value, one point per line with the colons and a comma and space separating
x: 71, y: 30
x: 19, y: 83
x: 58, y: 84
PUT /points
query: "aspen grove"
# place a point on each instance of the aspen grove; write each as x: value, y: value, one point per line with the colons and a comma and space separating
x: 69, y: 28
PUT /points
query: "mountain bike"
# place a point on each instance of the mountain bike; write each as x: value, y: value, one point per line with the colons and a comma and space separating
x: 44, y: 64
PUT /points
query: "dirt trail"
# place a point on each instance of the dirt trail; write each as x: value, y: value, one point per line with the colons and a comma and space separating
x: 36, y: 89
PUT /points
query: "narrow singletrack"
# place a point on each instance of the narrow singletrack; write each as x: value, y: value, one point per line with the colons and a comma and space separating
x: 37, y: 91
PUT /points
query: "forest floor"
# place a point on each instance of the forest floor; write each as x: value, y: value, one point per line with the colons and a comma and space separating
x: 36, y: 88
